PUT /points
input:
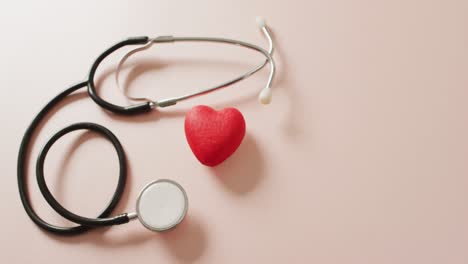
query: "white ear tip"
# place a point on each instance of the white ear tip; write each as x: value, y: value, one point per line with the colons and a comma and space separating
x: 261, y: 22
x: 265, y: 96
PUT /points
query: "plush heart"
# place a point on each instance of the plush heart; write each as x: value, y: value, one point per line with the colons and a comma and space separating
x: 214, y: 135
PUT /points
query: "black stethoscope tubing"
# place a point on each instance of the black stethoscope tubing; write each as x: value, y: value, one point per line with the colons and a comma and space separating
x: 84, y: 223
x: 124, y: 110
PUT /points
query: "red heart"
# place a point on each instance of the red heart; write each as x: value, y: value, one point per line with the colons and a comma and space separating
x: 214, y: 135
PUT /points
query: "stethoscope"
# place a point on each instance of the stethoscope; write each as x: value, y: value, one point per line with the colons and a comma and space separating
x: 162, y: 204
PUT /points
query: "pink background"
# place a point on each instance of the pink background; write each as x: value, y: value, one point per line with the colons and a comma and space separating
x: 360, y: 158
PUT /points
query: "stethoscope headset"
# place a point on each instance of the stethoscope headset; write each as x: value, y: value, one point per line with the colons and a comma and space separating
x: 159, y: 194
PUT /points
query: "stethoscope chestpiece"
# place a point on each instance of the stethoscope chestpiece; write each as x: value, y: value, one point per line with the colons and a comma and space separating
x: 161, y: 205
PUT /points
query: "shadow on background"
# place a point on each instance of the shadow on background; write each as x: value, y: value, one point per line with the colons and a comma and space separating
x: 187, y: 241
x: 243, y: 171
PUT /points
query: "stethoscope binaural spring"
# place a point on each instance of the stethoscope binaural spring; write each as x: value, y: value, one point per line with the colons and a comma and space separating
x: 162, y: 193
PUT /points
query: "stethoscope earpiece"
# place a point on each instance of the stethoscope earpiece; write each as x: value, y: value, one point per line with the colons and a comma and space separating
x: 260, y: 22
x: 265, y: 96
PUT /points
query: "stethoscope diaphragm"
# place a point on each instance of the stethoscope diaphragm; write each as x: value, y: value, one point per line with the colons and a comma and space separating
x: 161, y: 205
